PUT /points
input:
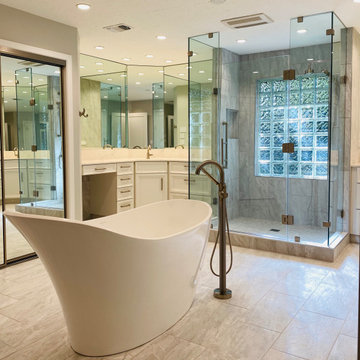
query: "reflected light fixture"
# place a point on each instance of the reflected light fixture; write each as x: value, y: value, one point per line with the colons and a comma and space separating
x: 241, y: 41
x: 161, y: 71
x: 126, y: 59
x: 168, y: 61
x: 57, y: 72
x: 99, y: 47
x: 138, y: 83
x: 82, y: 6
x: 181, y: 74
x: 255, y: 72
x: 161, y: 37
x: 100, y: 70
x: 140, y: 74
x: 170, y: 83
x: 82, y: 67
x: 99, y: 63
x: 9, y: 81
x: 201, y: 71
x: 149, y: 56
x: 109, y: 79
x: 311, y: 59
x: 209, y: 79
x: 301, y: 31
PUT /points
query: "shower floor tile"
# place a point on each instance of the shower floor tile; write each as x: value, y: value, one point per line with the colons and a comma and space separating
x: 268, y: 318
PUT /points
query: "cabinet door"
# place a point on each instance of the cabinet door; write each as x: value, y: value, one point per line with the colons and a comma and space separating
x: 150, y: 188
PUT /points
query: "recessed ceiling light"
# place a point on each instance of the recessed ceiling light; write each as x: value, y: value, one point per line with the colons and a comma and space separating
x: 57, y: 72
x: 201, y: 71
x: 126, y: 59
x: 138, y: 83
x: 99, y: 47
x: 26, y: 77
x: 156, y: 96
x: 209, y: 79
x: 105, y: 97
x: 99, y: 63
x: 168, y: 61
x: 241, y: 41
x: 165, y: 92
x: 311, y: 59
x: 170, y: 83
x: 161, y: 71
x: 181, y: 74
x: 161, y: 37
x: 123, y: 75
x: 140, y: 74
x: 82, y: 67
x: 83, y: 6
x: 41, y: 79
x: 149, y: 56
x: 109, y: 79
x: 5, y: 101
x: 255, y: 72
x: 100, y: 70
x: 301, y: 31
x: 25, y: 92
x: 9, y: 81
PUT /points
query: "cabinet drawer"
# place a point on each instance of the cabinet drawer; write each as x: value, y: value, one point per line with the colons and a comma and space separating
x: 125, y: 192
x: 200, y: 185
x: 98, y: 169
x: 125, y: 168
x: 39, y: 163
x: 42, y: 176
x: 125, y: 205
x: 177, y: 196
x: 179, y: 183
x: 149, y: 167
x: 178, y: 167
x: 125, y: 180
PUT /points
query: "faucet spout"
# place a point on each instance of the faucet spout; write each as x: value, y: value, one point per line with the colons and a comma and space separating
x: 200, y: 168
x: 148, y: 154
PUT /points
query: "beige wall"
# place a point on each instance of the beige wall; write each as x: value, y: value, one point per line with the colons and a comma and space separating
x: 26, y: 32
x: 181, y: 115
x: 91, y: 102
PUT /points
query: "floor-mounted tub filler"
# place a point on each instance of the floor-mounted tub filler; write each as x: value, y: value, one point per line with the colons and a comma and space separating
x: 123, y: 279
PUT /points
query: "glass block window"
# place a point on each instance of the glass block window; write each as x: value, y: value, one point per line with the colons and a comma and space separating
x: 294, y: 111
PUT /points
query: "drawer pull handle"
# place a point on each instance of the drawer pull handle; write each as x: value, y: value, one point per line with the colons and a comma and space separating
x: 125, y: 167
x: 125, y: 191
x: 100, y: 169
x: 123, y: 206
x: 162, y: 184
x: 125, y: 179
x: 186, y: 166
x: 191, y: 180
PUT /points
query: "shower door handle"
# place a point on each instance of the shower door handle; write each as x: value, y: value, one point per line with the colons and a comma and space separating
x: 162, y: 184
x: 224, y: 145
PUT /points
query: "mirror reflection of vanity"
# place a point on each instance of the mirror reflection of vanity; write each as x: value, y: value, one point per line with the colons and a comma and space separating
x: 131, y: 106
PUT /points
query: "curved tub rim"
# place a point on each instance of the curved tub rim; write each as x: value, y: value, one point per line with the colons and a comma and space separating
x: 10, y: 214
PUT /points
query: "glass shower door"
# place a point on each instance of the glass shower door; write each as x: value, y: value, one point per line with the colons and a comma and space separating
x: 309, y: 123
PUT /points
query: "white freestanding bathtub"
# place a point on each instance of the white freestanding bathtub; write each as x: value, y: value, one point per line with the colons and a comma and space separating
x: 123, y: 279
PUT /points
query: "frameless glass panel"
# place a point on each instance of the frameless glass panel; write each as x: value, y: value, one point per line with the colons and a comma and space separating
x: 336, y: 136
x: 308, y: 126
x: 203, y: 132
x: 158, y: 114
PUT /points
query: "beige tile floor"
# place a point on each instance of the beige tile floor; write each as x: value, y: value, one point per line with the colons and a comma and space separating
x: 283, y: 308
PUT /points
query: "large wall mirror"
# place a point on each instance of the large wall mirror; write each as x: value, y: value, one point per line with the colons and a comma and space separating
x: 133, y: 106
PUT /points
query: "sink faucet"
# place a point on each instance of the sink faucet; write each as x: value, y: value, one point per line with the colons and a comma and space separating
x: 148, y: 152
x: 108, y: 146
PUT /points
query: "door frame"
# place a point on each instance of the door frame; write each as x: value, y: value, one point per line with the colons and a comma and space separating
x: 24, y: 55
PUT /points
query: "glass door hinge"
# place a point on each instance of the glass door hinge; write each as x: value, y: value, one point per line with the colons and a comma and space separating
x: 289, y: 74
x: 300, y: 19
x: 342, y: 213
x: 288, y: 148
x: 326, y: 224
x: 215, y: 91
x: 190, y: 53
x: 32, y: 102
x: 210, y: 35
x: 330, y: 32
x: 35, y: 193
x: 287, y: 219
x: 33, y: 148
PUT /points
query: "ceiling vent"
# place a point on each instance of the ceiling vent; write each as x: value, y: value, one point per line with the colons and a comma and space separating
x: 117, y: 28
x: 247, y: 21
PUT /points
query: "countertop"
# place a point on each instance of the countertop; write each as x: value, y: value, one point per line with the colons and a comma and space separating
x: 114, y: 161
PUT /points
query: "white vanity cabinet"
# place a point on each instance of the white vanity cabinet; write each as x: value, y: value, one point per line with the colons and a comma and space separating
x: 125, y: 186
x: 11, y: 169
x: 178, y: 180
x: 150, y: 182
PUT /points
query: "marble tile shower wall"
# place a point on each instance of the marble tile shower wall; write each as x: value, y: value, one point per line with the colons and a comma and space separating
x: 264, y: 197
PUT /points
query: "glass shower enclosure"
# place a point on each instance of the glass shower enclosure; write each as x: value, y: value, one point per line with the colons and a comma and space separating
x: 275, y: 121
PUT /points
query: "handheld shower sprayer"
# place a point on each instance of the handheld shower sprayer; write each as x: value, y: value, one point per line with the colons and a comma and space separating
x: 223, y: 229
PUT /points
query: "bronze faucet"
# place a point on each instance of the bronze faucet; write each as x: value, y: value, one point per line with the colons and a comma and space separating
x: 148, y: 152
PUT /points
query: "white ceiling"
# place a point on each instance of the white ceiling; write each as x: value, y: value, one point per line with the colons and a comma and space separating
x: 179, y: 20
